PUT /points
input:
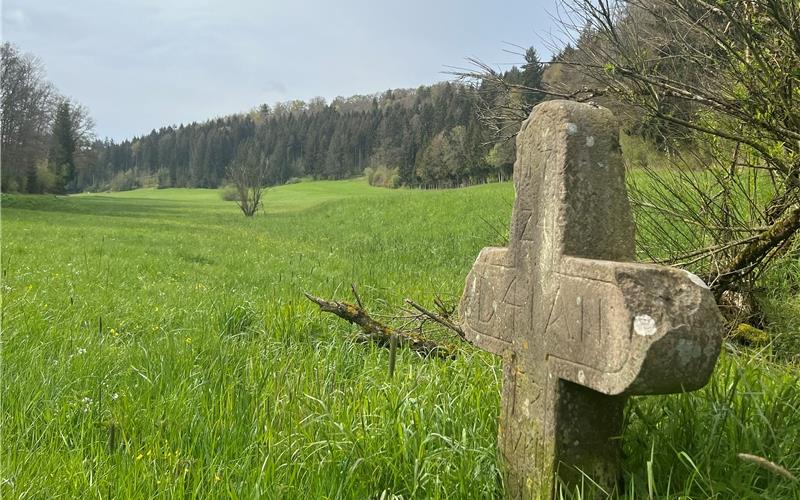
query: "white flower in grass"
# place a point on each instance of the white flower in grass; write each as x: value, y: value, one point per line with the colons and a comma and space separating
x: 81, y: 350
x: 87, y: 402
x: 114, y: 396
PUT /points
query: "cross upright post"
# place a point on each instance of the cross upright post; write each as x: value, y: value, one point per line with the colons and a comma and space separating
x: 580, y: 327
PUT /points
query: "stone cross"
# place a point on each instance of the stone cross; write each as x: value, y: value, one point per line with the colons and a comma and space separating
x: 579, y: 325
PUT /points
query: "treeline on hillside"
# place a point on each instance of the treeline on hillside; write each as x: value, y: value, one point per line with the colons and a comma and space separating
x: 394, y: 130
x: 427, y: 137
x: 430, y: 137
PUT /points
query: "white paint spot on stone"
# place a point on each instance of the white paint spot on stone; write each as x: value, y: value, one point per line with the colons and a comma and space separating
x: 578, y: 301
x: 477, y: 337
x: 590, y: 141
x: 527, y: 408
x: 572, y: 129
x: 581, y: 376
x: 696, y: 280
x: 644, y: 325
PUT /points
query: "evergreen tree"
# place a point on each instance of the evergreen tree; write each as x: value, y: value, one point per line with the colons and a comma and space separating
x: 63, y: 146
x: 532, y: 72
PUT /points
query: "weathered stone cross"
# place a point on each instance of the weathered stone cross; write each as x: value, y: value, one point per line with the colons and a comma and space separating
x: 579, y: 326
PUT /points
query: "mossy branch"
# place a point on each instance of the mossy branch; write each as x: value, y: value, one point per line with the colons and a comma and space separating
x: 381, y: 334
x: 783, y: 230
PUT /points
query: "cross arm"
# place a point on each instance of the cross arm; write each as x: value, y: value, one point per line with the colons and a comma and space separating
x: 487, y: 304
x: 625, y: 328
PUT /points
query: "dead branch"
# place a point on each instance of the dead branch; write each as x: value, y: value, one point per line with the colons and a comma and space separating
x: 783, y: 230
x: 439, y: 319
x: 380, y: 334
x: 355, y: 293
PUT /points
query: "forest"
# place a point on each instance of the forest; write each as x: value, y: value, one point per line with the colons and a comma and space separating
x: 431, y: 136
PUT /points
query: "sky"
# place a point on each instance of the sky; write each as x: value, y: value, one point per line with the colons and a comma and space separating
x: 143, y: 64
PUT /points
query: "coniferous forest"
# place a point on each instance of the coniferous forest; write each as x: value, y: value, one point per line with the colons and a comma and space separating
x: 432, y: 136
x: 393, y: 131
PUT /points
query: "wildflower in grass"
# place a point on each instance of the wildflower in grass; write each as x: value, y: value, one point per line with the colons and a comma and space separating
x: 86, y: 402
x: 81, y: 350
x: 114, y: 396
x: 188, y: 340
x: 139, y: 457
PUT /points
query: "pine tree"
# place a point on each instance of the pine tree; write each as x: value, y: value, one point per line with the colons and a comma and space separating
x: 532, y: 72
x: 62, y: 149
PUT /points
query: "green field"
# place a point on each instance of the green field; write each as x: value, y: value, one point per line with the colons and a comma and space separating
x: 156, y: 343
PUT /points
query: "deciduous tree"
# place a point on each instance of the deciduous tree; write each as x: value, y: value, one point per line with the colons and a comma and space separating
x: 248, y: 173
x: 27, y: 101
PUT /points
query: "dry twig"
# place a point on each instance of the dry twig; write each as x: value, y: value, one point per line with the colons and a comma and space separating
x: 380, y: 334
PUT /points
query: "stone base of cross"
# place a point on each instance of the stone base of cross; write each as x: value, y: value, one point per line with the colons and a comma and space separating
x: 579, y: 325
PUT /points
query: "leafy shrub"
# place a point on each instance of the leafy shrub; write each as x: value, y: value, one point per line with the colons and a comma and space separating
x: 45, y: 178
x: 228, y: 192
x: 383, y: 176
x: 124, y: 181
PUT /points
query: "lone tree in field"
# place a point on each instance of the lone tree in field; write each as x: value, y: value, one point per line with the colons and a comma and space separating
x: 248, y: 173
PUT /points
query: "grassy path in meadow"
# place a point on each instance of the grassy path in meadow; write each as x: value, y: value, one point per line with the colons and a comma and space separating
x: 212, y: 377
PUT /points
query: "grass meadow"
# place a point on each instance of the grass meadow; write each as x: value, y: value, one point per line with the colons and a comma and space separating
x: 156, y: 344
